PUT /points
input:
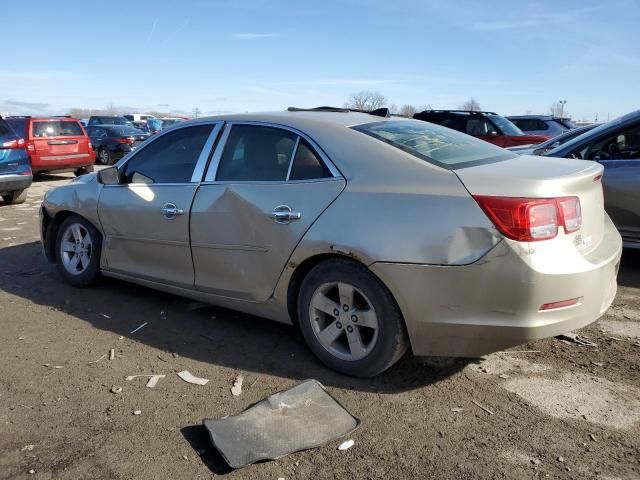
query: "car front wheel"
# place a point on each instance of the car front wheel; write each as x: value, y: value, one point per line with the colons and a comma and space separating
x: 78, y: 249
x: 350, y: 320
x: 15, y: 197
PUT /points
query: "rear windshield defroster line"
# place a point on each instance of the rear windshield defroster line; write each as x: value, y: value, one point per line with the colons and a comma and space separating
x: 438, y: 145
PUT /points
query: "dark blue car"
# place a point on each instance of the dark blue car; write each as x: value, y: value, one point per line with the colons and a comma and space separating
x: 15, y: 170
x: 112, y: 142
x: 615, y: 145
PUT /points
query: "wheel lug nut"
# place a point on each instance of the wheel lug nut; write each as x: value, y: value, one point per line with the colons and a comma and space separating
x: 345, y: 308
x: 354, y: 318
x: 349, y: 329
x: 336, y: 312
x: 338, y: 324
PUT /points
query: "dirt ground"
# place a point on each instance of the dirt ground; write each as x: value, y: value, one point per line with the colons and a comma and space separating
x: 562, y: 411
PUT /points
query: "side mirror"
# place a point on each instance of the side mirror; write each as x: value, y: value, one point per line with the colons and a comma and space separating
x: 493, y: 133
x: 109, y: 176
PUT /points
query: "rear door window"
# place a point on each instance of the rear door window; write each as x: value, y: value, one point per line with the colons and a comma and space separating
x: 256, y: 154
x: 435, y: 144
x: 57, y: 128
x: 307, y: 165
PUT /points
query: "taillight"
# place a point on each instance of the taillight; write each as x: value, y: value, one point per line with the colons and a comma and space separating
x: 571, y: 213
x: 12, y: 144
x: 126, y: 140
x: 31, y: 147
x: 532, y: 219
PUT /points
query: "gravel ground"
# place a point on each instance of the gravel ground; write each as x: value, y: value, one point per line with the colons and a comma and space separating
x: 558, y: 410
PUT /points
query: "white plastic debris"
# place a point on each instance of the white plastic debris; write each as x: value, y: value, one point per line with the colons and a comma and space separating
x: 104, y: 315
x: 141, y: 326
x: 112, y: 354
x: 137, y: 412
x: 456, y: 410
x: 28, y: 448
x: 116, y: 389
x: 346, y: 445
x: 571, y: 337
x: 189, y: 378
x: 153, y: 379
x: 236, y: 388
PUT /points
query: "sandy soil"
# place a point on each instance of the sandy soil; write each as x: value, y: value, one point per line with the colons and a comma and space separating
x: 564, y: 411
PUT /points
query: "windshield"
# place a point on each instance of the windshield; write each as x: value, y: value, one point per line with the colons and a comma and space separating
x: 629, y: 117
x: 507, y: 127
x: 5, y: 130
x: 438, y: 145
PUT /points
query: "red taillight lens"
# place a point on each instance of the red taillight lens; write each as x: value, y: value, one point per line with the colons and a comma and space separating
x: 126, y: 140
x: 532, y: 219
x: 560, y: 304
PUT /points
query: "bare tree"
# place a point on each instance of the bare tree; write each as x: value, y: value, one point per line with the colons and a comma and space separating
x: 408, y: 110
x: 366, y: 100
x: 196, y: 112
x: 472, y: 105
x: 557, y: 110
x: 110, y: 109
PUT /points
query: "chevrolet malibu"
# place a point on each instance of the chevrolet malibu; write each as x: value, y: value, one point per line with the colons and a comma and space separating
x: 371, y: 234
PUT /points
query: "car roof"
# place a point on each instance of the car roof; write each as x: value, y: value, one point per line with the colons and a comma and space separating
x: 300, y: 119
x: 537, y: 117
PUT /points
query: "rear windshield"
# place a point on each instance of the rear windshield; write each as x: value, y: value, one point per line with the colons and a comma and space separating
x: 507, y: 126
x: 438, y: 145
x: 125, y: 131
x: 5, y: 129
x: 57, y: 128
x: 18, y: 125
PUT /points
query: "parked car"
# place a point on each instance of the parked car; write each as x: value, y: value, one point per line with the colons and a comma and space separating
x: 541, y: 148
x: 138, y: 117
x: 108, y: 120
x: 488, y: 126
x: 15, y: 171
x: 112, y: 142
x: 370, y: 233
x: 542, y: 124
x: 143, y: 127
x: 616, y: 146
x: 154, y: 125
x: 55, y: 144
x: 170, y: 121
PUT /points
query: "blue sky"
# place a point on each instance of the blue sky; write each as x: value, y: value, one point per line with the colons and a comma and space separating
x: 250, y: 55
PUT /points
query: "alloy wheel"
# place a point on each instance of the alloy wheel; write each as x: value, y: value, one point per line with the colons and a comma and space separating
x: 76, y: 249
x: 343, y: 320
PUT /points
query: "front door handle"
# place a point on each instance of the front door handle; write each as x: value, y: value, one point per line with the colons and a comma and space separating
x: 170, y: 211
x: 283, y: 214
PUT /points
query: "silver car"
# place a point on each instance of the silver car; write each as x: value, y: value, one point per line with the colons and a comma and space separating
x: 372, y: 234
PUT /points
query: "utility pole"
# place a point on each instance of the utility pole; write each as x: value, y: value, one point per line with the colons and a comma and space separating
x: 562, y: 102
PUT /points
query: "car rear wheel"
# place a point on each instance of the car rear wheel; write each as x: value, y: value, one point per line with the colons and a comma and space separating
x: 15, y: 197
x: 104, y: 156
x: 78, y: 249
x: 350, y: 320
x: 83, y: 170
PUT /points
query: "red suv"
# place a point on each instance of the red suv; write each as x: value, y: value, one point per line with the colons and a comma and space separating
x: 488, y: 126
x: 55, y: 144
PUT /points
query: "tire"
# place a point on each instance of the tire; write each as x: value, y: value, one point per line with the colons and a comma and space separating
x: 83, y: 170
x: 72, y: 242
x: 359, y: 349
x: 15, y: 197
x: 105, y: 156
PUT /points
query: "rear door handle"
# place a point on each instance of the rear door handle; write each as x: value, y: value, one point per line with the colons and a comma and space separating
x: 283, y: 214
x: 170, y: 211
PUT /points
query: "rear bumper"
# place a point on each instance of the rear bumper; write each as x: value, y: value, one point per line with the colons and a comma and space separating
x: 472, y: 310
x: 11, y: 183
x: 62, y: 162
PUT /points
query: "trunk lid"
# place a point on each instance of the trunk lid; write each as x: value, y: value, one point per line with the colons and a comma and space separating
x: 545, y: 177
